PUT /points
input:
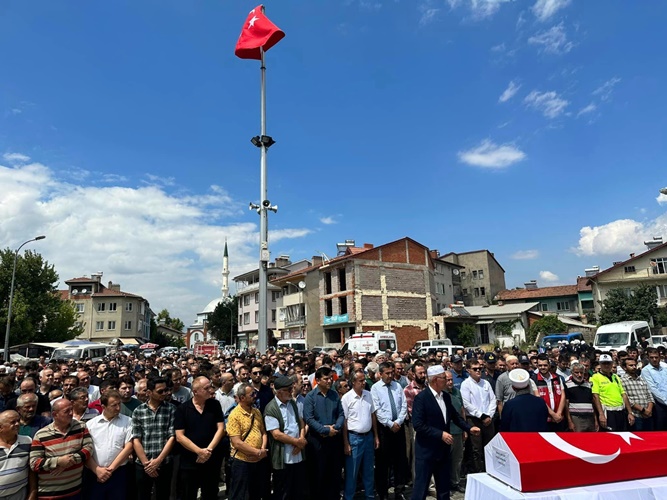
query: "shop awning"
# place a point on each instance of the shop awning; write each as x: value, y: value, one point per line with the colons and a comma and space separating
x: 485, y: 322
x: 129, y: 341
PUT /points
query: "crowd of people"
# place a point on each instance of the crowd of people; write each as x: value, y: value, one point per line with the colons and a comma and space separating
x: 301, y: 425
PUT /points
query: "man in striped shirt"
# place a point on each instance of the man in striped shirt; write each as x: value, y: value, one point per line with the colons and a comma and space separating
x: 16, y: 480
x: 58, y: 454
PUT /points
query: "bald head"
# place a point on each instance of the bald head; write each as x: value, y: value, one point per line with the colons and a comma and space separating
x: 60, y: 404
x: 9, y: 425
x: 7, y: 416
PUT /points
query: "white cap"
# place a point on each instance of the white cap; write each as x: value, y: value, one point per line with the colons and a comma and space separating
x: 605, y: 358
x: 434, y: 370
x: 519, y: 378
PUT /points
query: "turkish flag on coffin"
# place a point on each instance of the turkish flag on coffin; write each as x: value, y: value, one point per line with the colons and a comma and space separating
x: 537, y: 461
x: 258, y: 32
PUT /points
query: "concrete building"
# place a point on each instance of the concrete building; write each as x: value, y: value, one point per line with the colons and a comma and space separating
x: 649, y: 267
x: 482, y: 278
x: 107, y: 313
x: 562, y: 300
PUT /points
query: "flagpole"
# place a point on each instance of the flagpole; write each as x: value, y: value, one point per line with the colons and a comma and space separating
x: 263, y: 221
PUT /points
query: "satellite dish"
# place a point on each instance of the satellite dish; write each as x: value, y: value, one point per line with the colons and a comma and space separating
x: 302, y: 284
x: 75, y: 291
x: 456, y: 272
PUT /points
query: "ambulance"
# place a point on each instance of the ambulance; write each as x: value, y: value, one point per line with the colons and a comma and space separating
x: 370, y: 342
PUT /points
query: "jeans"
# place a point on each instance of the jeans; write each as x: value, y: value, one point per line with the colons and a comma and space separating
x: 362, y: 459
x: 642, y: 425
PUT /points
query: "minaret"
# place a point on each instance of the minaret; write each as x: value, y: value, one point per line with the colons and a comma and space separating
x: 225, y: 273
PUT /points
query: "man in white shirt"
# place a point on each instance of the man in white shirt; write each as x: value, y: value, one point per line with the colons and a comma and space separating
x: 360, y: 437
x: 112, y: 445
x: 479, y: 401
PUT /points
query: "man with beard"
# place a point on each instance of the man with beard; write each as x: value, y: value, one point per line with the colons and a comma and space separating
x: 127, y: 402
x: 30, y: 422
x: 416, y: 385
x: 639, y: 395
x: 580, y: 414
x: 550, y: 388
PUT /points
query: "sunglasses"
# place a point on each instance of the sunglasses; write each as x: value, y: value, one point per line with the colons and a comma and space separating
x: 256, y: 373
x: 475, y: 369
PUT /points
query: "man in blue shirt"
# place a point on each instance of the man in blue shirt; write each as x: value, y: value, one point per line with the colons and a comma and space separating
x: 391, y: 409
x: 656, y: 377
x: 324, y: 416
x: 458, y: 372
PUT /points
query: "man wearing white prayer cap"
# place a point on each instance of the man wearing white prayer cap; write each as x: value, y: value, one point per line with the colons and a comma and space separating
x: 525, y: 412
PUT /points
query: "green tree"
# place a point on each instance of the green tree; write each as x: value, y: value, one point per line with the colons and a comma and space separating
x: 504, y: 328
x: 543, y: 326
x: 174, y: 323
x: 640, y: 304
x: 163, y: 339
x: 38, y: 312
x: 467, y: 335
x: 219, y: 320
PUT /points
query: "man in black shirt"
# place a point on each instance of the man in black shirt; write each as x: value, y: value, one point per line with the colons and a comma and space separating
x: 199, y: 426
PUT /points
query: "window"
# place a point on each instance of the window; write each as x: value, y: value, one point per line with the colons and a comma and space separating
x: 246, y: 300
x: 246, y: 318
x: 99, y: 325
x: 256, y: 316
x: 328, y: 307
x: 240, y: 319
x: 112, y: 306
x: 342, y: 284
x: 587, y: 304
x: 480, y: 274
x: 545, y: 307
x: 256, y: 297
x: 659, y: 265
x: 101, y: 307
x: 476, y: 292
x: 79, y: 308
x: 465, y: 292
x: 342, y: 305
x: 275, y: 296
x: 128, y: 325
x: 273, y: 315
x: 662, y: 291
x: 463, y: 275
x: 327, y: 284
x: 111, y: 325
x: 128, y: 306
x: 482, y: 291
x: 474, y: 275
x: 629, y: 269
x: 563, y: 306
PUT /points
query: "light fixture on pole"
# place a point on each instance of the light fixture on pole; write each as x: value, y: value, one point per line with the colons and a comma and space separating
x: 11, y: 296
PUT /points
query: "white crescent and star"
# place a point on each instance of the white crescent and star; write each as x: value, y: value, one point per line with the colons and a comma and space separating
x: 251, y: 23
x: 592, y: 458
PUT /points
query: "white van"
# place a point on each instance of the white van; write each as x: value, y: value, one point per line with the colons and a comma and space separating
x: 94, y: 352
x: 449, y: 350
x: 370, y: 342
x: 431, y: 342
x: 296, y: 344
x: 620, y: 336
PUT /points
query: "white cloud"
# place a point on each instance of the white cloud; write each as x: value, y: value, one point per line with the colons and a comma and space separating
x: 480, y: 9
x: 549, y: 103
x: 544, y: 9
x: 509, y: 92
x: 526, y: 255
x: 548, y: 276
x: 498, y: 48
x: 662, y: 198
x: 328, y: 220
x: 165, y: 247
x: 552, y: 41
x: 156, y: 180
x: 15, y: 157
x: 605, y: 90
x: 588, y: 109
x: 491, y: 155
x: 619, y: 237
x: 109, y: 178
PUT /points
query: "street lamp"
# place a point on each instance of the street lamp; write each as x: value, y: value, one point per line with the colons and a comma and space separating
x: 11, y: 296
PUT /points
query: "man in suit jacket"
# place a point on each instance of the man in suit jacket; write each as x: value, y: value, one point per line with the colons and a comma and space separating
x: 432, y: 412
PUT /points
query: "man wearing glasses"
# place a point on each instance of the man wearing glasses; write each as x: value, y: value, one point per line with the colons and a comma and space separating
x: 264, y: 392
x: 480, y: 404
x: 153, y: 438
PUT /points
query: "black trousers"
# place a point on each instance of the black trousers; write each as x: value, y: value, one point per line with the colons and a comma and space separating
x: 288, y: 482
x: 145, y: 483
x: 617, y: 421
x: 659, y: 417
x: 244, y: 483
x: 391, y: 453
x: 325, y: 466
x: 424, y: 469
x: 205, y: 477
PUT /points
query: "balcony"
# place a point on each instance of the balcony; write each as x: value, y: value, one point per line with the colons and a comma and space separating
x: 295, y: 322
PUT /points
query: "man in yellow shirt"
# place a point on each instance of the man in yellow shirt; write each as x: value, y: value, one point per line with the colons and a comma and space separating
x: 249, y: 445
x: 609, y: 398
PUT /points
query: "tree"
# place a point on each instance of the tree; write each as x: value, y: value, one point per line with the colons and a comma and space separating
x: 467, y: 335
x: 545, y: 325
x: 162, y: 339
x: 219, y: 321
x: 640, y: 304
x: 38, y: 312
x: 174, y: 323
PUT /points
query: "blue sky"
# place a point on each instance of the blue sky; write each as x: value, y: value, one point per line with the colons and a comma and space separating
x: 535, y: 129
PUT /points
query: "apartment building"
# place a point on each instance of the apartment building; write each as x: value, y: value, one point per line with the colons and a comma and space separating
x: 482, y: 278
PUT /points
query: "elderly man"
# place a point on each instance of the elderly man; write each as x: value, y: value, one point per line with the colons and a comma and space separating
x: 458, y: 436
x: 63, y: 445
x: 287, y: 441
x: 504, y: 388
x: 609, y: 398
x: 580, y: 411
x: 84, y: 381
x: 525, y: 412
x: 432, y: 413
x: 199, y: 426
x: 45, y: 381
x: 80, y: 410
x: 112, y: 445
x: 17, y: 482
x: 29, y: 386
x: 26, y: 406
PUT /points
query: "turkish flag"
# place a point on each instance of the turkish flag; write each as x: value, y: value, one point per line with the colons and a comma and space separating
x: 258, y: 32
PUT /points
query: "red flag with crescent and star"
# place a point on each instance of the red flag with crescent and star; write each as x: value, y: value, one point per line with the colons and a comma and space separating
x: 258, y: 33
